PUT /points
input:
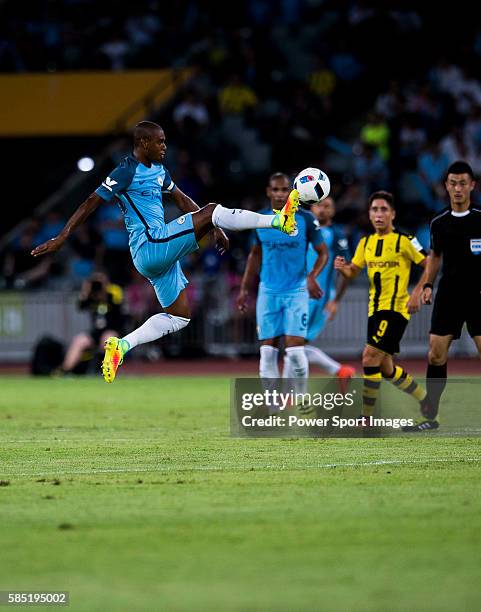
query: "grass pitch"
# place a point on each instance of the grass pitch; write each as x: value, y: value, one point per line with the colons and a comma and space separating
x: 133, y: 496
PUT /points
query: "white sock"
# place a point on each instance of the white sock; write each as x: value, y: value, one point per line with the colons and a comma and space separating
x: 287, y: 367
x: 299, y: 367
x: 237, y: 219
x: 154, y: 328
x: 318, y: 357
x: 268, y: 365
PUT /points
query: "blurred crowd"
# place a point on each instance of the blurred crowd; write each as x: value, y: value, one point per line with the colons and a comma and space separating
x: 273, y: 90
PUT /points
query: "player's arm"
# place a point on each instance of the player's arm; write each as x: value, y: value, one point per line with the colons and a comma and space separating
x: 313, y: 287
x: 182, y: 201
x: 341, y: 249
x: 252, y: 270
x: 187, y: 205
x: 414, y: 302
x: 348, y: 270
x: 332, y: 305
x: 83, y: 212
x: 433, y: 265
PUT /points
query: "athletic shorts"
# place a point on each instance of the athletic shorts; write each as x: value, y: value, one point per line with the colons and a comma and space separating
x: 158, y: 260
x: 385, y: 328
x: 317, y: 318
x: 454, y: 306
x: 283, y: 314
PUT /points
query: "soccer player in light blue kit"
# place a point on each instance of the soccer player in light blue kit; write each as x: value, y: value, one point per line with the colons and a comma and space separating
x: 325, y: 308
x: 138, y: 186
x: 283, y: 298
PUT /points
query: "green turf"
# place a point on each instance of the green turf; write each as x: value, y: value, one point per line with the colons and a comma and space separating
x: 133, y: 496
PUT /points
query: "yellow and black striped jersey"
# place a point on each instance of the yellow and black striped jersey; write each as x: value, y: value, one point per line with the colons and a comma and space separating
x: 388, y: 259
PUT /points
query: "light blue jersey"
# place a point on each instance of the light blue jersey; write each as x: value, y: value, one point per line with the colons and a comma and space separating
x: 138, y: 190
x: 337, y: 245
x: 284, y: 264
x: 156, y: 247
x: 283, y: 301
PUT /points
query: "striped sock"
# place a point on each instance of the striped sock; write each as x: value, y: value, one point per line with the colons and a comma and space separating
x: 405, y: 382
x: 372, y: 382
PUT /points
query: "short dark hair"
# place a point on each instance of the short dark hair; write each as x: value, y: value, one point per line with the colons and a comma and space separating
x: 382, y: 195
x: 460, y: 167
x: 278, y: 175
x: 143, y: 130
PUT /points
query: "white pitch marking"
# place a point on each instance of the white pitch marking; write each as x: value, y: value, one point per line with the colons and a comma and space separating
x: 257, y: 468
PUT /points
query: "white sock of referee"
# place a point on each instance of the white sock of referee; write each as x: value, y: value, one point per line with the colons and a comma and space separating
x: 156, y: 327
x: 237, y: 219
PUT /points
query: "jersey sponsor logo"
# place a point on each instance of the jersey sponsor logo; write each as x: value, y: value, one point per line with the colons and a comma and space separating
x: 181, y: 220
x: 383, y: 264
x: 281, y: 246
x: 295, y: 232
x: 109, y: 183
x: 475, y: 244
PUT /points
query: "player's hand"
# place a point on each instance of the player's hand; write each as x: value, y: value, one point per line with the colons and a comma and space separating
x: 427, y: 296
x: 242, y: 300
x: 221, y: 240
x: 331, y: 309
x: 414, y: 303
x: 339, y: 263
x: 313, y: 287
x: 50, y: 246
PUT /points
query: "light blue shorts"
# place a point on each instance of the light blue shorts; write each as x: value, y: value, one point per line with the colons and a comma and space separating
x: 158, y: 260
x: 317, y: 318
x: 282, y: 314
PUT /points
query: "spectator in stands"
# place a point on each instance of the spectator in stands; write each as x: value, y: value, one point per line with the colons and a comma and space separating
x: 86, y: 252
x: 115, y: 242
x: 19, y: 269
x: 431, y: 168
x: 371, y: 170
x: 376, y: 133
x: 236, y: 98
x: 322, y: 82
x: 191, y: 115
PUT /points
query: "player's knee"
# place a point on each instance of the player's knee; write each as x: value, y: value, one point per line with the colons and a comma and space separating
x: 179, y: 322
x: 437, y: 356
x: 371, y: 357
x: 214, y: 211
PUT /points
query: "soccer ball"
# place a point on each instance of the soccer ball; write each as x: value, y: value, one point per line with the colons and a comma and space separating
x: 313, y: 185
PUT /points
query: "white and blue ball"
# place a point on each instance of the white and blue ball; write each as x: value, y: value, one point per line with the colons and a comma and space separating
x: 313, y: 185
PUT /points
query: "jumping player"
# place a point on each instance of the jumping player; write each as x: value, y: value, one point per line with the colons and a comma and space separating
x: 138, y: 186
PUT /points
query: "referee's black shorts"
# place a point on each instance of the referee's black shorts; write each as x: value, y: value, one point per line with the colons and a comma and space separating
x: 454, y: 306
x: 385, y: 328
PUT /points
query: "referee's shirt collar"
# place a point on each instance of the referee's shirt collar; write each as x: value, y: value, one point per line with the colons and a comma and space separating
x: 461, y: 214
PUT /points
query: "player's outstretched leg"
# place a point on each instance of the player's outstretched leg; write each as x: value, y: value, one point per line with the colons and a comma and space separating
x: 236, y: 219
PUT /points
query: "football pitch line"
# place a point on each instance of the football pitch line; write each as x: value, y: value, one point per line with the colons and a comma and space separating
x: 256, y: 468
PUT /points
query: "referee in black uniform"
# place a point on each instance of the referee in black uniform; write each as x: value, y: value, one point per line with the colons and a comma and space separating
x: 456, y: 240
